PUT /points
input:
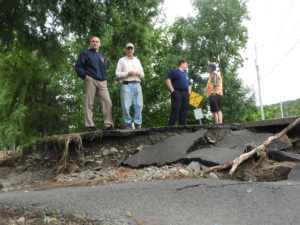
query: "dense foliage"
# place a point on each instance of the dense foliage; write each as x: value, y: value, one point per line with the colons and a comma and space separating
x: 285, y: 109
x: 217, y: 34
x: 40, y: 41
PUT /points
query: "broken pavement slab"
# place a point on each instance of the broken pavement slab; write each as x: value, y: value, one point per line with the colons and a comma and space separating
x: 294, y: 174
x: 243, y: 138
x: 282, y: 143
x: 215, y: 155
x: 232, y: 145
x: 281, y: 156
x: 176, y: 148
x: 273, y: 125
x: 168, y: 151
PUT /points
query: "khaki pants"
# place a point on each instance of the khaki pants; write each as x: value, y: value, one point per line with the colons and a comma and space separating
x: 99, y: 89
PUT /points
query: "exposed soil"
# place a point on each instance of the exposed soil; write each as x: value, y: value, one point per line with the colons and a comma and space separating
x: 102, y: 158
x: 33, y: 216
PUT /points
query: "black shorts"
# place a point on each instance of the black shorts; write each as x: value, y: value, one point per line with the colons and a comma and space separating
x: 215, y: 102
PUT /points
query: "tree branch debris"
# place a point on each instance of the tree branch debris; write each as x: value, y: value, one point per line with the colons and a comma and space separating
x: 259, y: 150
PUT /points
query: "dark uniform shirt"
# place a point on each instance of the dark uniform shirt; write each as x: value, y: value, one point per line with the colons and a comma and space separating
x: 179, y: 79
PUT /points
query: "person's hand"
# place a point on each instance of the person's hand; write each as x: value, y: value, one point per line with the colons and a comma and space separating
x: 131, y: 73
x: 138, y: 74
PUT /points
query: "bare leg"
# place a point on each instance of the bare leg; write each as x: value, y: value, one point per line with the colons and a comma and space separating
x: 216, y: 119
x: 220, y: 117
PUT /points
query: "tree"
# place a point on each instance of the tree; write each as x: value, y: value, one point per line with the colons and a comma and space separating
x: 127, y: 21
x: 289, y: 109
x: 40, y: 41
x: 217, y: 34
x: 28, y: 105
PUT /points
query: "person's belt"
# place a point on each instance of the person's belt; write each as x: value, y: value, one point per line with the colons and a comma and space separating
x: 96, y: 78
x: 182, y: 90
x: 130, y: 82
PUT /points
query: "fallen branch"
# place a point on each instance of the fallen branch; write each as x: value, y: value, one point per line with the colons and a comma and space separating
x: 260, y: 150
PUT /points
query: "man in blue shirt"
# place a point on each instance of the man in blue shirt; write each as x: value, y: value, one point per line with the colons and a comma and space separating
x: 90, y: 66
x: 179, y: 86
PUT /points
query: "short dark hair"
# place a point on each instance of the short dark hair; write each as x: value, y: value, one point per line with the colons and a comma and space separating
x: 212, y: 66
x: 94, y: 37
x: 181, y: 61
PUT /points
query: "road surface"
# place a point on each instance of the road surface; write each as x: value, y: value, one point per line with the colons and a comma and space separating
x: 174, y: 202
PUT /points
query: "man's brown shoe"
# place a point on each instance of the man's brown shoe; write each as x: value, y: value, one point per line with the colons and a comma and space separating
x: 109, y: 128
x: 90, y: 129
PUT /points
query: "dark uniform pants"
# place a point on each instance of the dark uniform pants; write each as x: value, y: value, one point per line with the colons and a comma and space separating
x: 179, y: 107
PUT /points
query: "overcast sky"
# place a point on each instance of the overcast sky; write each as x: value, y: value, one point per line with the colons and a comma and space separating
x: 274, y: 26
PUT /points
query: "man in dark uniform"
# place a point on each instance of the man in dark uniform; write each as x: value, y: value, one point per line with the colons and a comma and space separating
x: 179, y: 86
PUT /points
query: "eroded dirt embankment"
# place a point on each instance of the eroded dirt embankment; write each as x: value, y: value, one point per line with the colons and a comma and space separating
x: 147, y: 154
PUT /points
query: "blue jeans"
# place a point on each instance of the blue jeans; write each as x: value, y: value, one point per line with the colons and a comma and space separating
x: 131, y: 94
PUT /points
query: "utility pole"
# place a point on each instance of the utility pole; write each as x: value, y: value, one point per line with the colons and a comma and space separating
x: 259, y: 88
x: 281, y: 109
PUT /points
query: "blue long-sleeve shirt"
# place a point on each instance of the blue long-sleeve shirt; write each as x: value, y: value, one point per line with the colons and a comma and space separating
x: 180, y: 80
x: 91, y: 63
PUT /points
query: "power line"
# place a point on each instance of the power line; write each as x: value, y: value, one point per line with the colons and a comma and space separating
x: 283, y: 24
x: 253, y: 49
x: 266, y: 7
x: 266, y: 14
x: 286, y: 55
x: 296, y: 27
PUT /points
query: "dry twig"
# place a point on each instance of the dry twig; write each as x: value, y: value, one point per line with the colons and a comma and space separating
x: 260, y: 150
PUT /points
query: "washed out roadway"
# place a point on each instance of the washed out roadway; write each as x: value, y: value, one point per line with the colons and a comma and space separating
x: 175, y: 202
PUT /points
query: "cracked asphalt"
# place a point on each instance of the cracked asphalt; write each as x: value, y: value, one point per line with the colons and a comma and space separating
x: 173, y: 202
